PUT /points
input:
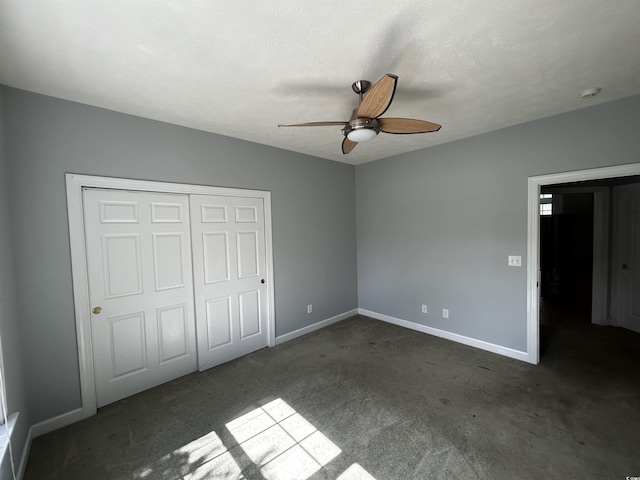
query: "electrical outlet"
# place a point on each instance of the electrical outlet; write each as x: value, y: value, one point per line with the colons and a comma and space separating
x: 424, y: 308
x: 309, y: 308
x: 445, y: 313
x: 515, y: 261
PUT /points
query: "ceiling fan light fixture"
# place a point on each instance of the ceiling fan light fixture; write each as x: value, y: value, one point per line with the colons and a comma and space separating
x: 362, y: 134
x: 362, y: 129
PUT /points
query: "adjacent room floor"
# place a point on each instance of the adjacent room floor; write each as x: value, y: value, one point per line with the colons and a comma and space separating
x: 363, y: 399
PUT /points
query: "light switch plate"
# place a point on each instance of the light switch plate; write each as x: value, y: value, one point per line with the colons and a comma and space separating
x: 515, y: 261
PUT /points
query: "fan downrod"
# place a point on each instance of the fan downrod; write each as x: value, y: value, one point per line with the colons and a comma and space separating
x: 361, y: 87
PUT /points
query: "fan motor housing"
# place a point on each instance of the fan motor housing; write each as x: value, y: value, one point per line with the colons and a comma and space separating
x: 361, y: 124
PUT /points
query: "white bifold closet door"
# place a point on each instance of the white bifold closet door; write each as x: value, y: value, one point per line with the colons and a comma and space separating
x: 229, y: 267
x: 140, y: 288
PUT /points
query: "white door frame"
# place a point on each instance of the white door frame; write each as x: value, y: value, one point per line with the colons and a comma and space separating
x: 533, y: 239
x: 75, y: 184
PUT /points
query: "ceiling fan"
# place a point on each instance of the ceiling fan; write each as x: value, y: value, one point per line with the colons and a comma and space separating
x: 365, y: 122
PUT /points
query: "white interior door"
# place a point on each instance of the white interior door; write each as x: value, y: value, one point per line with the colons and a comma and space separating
x: 228, y: 236
x: 628, y: 255
x: 140, y: 288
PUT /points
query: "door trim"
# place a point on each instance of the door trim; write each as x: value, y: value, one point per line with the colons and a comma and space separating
x: 533, y: 239
x: 75, y: 183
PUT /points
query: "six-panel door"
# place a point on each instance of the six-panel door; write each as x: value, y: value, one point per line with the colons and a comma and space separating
x: 229, y: 253
x: 140, y: 288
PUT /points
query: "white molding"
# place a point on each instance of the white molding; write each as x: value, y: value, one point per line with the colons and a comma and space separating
x: 268, y: 237
x: 92, y: 181
x: 43, y: 428
x: 316, y: 326
x: 533, y: 271
x: 25, y: 454
x: 81, y: 293
x: 533, y: 239
x: 75, y: 184
x: 47, y: 426
x: 601, y: 242
x: 472, y: 342
x: 626, y: 170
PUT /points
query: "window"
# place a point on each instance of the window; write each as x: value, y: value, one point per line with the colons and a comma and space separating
x: 7, y: 422
x: 546, y: 204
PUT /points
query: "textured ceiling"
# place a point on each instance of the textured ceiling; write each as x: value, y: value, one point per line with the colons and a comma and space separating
x: 238, y: 68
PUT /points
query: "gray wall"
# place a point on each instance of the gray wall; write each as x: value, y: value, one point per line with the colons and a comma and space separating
x: 435, y: 226
x: 9, y: 325
x: 313, y: 213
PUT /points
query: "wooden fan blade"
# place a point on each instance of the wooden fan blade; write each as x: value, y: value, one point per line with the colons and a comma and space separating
x: 312, y: 124
x: 348, y: 145
x: 407, y: 125
x: 378, y: 98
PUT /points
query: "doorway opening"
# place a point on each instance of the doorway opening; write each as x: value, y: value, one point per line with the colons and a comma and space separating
x: 567, y: 245
x: 569, y: 270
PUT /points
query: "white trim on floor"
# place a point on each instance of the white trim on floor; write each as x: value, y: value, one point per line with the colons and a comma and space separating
x: 43, y: 428
x: 454, y: 337
x: 316, y: 326
x: 25, y: 455
x: 55, y: 423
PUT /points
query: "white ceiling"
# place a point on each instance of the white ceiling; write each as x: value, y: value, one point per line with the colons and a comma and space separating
x: 238, y: 68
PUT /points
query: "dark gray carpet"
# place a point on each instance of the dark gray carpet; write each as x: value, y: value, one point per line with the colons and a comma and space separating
x: 363, y: 399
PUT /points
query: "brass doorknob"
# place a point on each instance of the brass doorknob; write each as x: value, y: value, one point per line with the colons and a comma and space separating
x: 96, y: 310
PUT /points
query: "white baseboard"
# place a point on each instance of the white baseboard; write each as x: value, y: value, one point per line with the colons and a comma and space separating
x: 55, y: 423
x: 316, y: 326
x: 43, y: 428
x: 25, y: 455
x: 472, y: 342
